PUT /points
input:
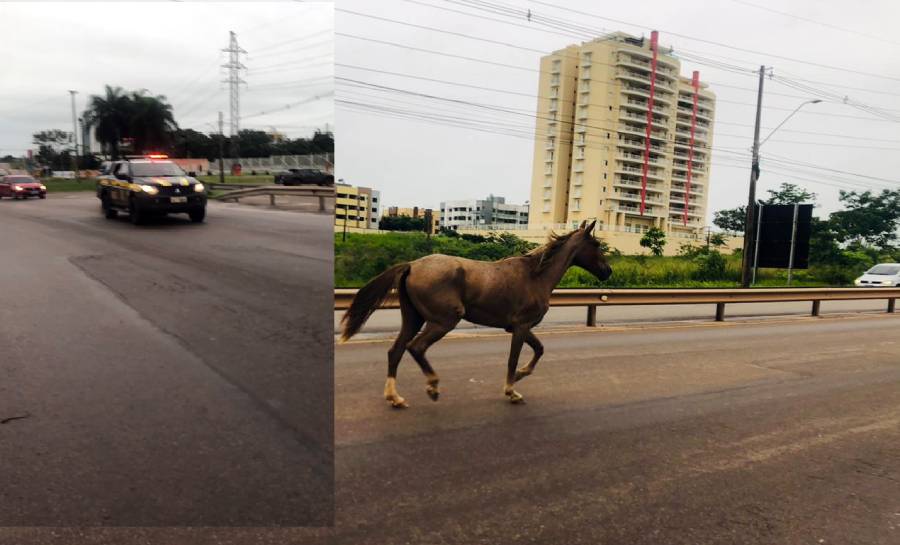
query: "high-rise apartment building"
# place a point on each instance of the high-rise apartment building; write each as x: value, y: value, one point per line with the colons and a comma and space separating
x: 598, y: 152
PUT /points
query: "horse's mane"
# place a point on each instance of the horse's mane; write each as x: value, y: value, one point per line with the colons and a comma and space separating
x: 543, y: 255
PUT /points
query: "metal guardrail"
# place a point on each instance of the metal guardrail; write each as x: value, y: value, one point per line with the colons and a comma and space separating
x: 593, y: 298
x: 273, y: 190
x: 227, y: 187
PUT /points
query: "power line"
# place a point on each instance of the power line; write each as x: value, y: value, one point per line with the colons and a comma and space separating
x: 289, y: 106
x: 513, y: 112
x: 527, y: 69
x: 813, y: 21
x: 530, y: 95
x: 720, y: 44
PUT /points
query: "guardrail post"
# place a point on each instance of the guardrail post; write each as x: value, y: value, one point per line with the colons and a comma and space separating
x: 720, y: 312
x: 271, y: 199
x: 592, y: 315
x: 321, y: 203
x: 815, y: 309
x: 891, y: 304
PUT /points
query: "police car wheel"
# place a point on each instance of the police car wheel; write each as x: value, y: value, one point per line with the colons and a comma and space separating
x: 108, y: 211
x: 197, y: 215
x: 135, y: 215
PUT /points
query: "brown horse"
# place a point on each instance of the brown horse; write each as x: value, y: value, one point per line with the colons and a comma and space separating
x: 440, y: 290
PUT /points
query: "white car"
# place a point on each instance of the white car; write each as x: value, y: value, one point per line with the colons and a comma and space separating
x: 883, y: 274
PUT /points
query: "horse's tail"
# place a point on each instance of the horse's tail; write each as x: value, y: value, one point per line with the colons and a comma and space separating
x: 369, y: 298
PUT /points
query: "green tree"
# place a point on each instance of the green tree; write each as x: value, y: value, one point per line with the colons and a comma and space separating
x: 655, y: 240
x: 731, y: 219
x: 109, y: 116
x: 193, y: 144
x: 788, y: 193
x: 54, y: 148
x: 401, y: 223
x: 717, y: 239
x: 150, y: 122
x: 255, y: 143
x: 868, y: 218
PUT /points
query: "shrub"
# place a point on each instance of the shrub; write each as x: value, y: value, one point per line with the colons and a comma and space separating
x: 710, y: 266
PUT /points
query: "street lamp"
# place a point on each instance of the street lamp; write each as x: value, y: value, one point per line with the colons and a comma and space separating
x: 797, y: 109
x: 749, y: 225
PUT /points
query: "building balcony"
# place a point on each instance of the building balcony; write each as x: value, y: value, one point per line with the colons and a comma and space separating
x: 656, y: 212
x: 664, y: 82
x: 628, y: 183
x: 641, y: 105
x: 680, y: 175
x: 634, y: 90
x: 655, y: 174
x: 639, y: 158
x: 679, y: 213
x: 682, y: 188
x: 640, y: 118
x: 656, y: 134
x: 635, y: 196
x: 663, y: 62
x: 630, y: 143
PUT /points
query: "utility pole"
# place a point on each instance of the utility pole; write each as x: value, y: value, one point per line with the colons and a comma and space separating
x: 74, y: 136
x: 750, y: 221
x: 221, y: 150
x: 234, y: 82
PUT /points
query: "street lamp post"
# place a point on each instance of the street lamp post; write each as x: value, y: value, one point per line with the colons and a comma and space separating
x: 750, y: 228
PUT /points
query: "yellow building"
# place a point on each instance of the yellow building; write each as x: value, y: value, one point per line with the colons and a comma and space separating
x: 591, y: 158
x: 357, y: 207
x: 417, y: 212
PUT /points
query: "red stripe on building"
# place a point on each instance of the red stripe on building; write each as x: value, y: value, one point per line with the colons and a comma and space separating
x: 654, y: 46
x: 695, y: 83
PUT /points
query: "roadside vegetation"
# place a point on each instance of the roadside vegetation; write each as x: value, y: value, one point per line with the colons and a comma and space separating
x: 363, y: 256
x: 842, y: 246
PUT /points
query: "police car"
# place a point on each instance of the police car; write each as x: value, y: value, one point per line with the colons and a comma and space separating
x: 149, y: 185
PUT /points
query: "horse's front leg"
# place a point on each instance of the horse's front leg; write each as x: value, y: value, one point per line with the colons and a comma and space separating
x: 518, y: 337
x: 538, y: 348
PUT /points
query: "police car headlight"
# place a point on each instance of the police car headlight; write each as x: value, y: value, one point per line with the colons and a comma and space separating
x: 198, y: 188
x: 18, y: 188
x: 150, y: 189
x: 43, y: 187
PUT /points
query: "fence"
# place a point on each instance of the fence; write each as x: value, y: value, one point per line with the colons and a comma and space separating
x: 593, y: 298
x: 273, y: 191
x: 322, y: 161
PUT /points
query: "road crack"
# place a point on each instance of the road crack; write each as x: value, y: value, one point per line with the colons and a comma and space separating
x: 9, y: 419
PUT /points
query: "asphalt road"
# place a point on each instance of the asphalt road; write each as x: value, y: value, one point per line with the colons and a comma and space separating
x: 169, y: 374
x: 777, y: 432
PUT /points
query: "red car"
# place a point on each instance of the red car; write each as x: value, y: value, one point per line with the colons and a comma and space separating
x: 20, y: 186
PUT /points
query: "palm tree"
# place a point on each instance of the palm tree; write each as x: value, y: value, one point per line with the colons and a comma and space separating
x: 109, y: 115
x: 152, y: 123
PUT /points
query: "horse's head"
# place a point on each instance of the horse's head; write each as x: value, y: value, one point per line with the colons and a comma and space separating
x: 589, y: 254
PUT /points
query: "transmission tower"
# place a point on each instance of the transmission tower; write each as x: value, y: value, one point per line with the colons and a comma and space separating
x: 234, y: 82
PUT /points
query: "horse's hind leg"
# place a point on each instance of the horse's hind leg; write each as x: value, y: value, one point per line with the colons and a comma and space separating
x: 431, y: 334
x: 538, y: 348
x: 518, y: 338
x: 412, y: 322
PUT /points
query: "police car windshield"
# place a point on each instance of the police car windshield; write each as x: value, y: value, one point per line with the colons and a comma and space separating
x: 156, y: 168
x: 884, y: 269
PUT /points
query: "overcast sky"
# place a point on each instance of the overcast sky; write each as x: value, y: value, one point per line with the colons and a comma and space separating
x: 171, y: 49
x: 419, y: 162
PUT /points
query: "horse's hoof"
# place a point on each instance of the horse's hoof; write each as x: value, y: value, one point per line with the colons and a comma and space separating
x: 398, y: 403
x: 515, y: 398
x: 433, y: 392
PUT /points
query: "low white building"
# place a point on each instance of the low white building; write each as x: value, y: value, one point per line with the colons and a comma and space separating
x: 483, y: 213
